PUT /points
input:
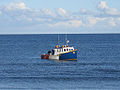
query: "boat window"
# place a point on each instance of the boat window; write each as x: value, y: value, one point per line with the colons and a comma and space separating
x: 64, y: 49
x: 53, y: 52
x: 60, y: 50
x: 67, y: 49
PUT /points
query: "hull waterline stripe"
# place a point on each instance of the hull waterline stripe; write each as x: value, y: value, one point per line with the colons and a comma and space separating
x: 69, y: 59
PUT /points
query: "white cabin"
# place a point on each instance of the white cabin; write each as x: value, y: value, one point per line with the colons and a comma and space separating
x: 61, y: 50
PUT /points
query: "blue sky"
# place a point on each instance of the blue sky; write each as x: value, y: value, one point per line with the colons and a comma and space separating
x: 59, y: 16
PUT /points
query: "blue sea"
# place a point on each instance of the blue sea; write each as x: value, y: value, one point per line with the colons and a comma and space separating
x: 97, y: 67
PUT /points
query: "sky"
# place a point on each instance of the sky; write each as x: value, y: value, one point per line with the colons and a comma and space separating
x: 59, y: 16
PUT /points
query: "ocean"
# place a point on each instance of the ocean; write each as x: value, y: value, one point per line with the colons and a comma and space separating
x: 97, y: 67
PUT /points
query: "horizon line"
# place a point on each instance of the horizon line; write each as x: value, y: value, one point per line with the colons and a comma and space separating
x: 50, y: 33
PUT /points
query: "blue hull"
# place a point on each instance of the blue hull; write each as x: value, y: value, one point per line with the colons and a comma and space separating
x: 69, y: 55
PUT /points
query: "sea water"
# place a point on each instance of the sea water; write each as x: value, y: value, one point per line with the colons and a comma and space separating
x: 97, y: 67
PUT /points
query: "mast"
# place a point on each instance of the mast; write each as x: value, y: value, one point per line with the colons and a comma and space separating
x: 58, y: 39
x: 67, y: 41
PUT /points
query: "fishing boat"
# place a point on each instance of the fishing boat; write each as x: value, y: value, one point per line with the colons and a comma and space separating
x: 64, y: 52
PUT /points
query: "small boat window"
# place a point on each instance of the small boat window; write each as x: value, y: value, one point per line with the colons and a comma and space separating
x: 53, y: 52
x: 67, y: 49
x: 60, y: 50
x: 64, y: 49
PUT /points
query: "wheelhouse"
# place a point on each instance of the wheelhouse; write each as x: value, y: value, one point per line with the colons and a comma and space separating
x: 61, y: 50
